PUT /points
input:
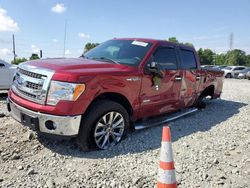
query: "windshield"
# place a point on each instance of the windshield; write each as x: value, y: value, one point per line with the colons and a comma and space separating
x: 128, y: 52
x: 228, y: 68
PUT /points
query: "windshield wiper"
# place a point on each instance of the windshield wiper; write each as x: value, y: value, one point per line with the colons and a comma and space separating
x: 82, y: 56
x: 105, y: 59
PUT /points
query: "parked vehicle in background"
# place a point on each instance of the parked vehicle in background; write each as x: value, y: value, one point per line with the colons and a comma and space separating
x: 243, y: 74
x: 209, y: 67
x: 98, y: 97
x: 7, y: 72
x: 248, y: 75
x: 232, y: 71
x: 216, y: 67
x: 221, y: 66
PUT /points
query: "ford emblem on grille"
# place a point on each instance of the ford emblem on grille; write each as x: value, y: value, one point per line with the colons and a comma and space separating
x: 20, y: 80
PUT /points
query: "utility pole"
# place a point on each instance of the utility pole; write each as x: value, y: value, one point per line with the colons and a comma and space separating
x: 65, y: 31
x: 231, y: 40
x: 14, y: 48
x: 41, y: 54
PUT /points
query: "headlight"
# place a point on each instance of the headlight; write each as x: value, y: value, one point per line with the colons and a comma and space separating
x: 64, y: 91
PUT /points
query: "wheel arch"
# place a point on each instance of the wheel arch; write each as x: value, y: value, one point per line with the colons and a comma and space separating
x: 208, y: 91
x: 116, y: 97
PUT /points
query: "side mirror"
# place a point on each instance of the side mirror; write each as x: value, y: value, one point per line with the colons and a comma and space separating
x: 152, y: 65
x: 155, y: 69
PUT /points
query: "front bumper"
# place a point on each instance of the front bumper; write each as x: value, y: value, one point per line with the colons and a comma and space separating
x: 52, y: 124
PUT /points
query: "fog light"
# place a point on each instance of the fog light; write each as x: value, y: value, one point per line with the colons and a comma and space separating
x: 50, y: 125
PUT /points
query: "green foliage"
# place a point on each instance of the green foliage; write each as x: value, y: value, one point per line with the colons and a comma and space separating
x: 189, y: 44
x: 206, y: 56
x: 89, y: 46
x: 236, y: 57
x: 173, y: 39
x: 18, y: 61
x: 220, y: 59
x: 34, y: 56
x: 233, y: 57
x: 248, y: 60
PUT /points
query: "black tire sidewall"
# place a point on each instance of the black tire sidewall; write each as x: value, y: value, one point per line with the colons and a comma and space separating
x: 86, y: 139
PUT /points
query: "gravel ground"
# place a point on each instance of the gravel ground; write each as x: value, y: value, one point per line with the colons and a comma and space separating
x: 211, y: 149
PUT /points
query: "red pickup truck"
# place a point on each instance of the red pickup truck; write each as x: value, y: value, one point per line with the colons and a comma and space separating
x: 98, y: 96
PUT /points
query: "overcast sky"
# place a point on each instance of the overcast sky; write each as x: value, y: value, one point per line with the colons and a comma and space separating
x: 39, y: 24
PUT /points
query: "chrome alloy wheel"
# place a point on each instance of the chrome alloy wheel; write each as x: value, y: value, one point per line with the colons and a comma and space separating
x: 109, y: 130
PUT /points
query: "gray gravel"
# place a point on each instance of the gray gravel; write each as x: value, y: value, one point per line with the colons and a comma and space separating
x: 211, y: 149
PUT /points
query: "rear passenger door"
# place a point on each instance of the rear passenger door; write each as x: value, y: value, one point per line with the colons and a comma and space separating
x: 166, y: 98
x: 190, y: 77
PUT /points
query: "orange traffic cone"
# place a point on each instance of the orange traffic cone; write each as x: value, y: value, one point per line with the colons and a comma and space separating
x: 166, y: 174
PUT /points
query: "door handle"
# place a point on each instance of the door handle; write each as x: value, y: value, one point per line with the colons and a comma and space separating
x: 178, y: 78
x: 198, y: 77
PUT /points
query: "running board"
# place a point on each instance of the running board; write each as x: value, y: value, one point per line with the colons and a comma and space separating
x: 165, y: 119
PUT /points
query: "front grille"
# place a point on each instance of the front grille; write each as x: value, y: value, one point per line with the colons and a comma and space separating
x: 34, y: 86
x: 27, y: 94
x: 31, y: 74
x: 32, y: 83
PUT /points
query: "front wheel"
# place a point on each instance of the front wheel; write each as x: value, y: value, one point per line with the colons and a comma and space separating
x: 228, y: 75
x: 104, y: 126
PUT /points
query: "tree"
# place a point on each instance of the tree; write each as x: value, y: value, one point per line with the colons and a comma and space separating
x: 236, y: 57
x: 220, y: 59
x: 34, y: 56
x: 173, y: 39
x: 18, y: 61
x: 189, y: 44
x: 206, y: 56
x: 248, y: 60
x: 89, y: 46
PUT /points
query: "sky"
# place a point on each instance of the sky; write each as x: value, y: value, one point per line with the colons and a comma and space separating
x: 40, y: 24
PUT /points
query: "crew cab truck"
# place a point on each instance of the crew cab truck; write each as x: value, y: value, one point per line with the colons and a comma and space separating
x: 98, y: 96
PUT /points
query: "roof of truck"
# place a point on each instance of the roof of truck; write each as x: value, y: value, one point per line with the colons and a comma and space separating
x: 149, y: 40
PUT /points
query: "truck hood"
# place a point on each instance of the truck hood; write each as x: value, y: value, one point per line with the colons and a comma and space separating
x: 75, y: 69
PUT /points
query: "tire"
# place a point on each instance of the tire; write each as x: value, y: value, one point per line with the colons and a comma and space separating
x: 200, y: 104
x: 94, y: 128
x: 228, y: 75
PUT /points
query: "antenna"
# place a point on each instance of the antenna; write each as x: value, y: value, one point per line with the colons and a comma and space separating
x: 231, y: 40
x: 65, y: 34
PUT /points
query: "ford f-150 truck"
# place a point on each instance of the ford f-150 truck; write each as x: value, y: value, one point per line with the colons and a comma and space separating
x: 98, y: 96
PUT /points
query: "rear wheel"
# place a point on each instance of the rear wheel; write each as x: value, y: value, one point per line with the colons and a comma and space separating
x: 200, y: 103
x: 104, y: 125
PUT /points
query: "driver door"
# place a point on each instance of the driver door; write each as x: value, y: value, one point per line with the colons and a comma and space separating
x: 166, y: 98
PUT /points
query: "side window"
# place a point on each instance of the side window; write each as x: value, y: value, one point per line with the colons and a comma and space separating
x: 166, y: 57
x: 188, y: 60
x: 2, y: 65
x: 238, y: 68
